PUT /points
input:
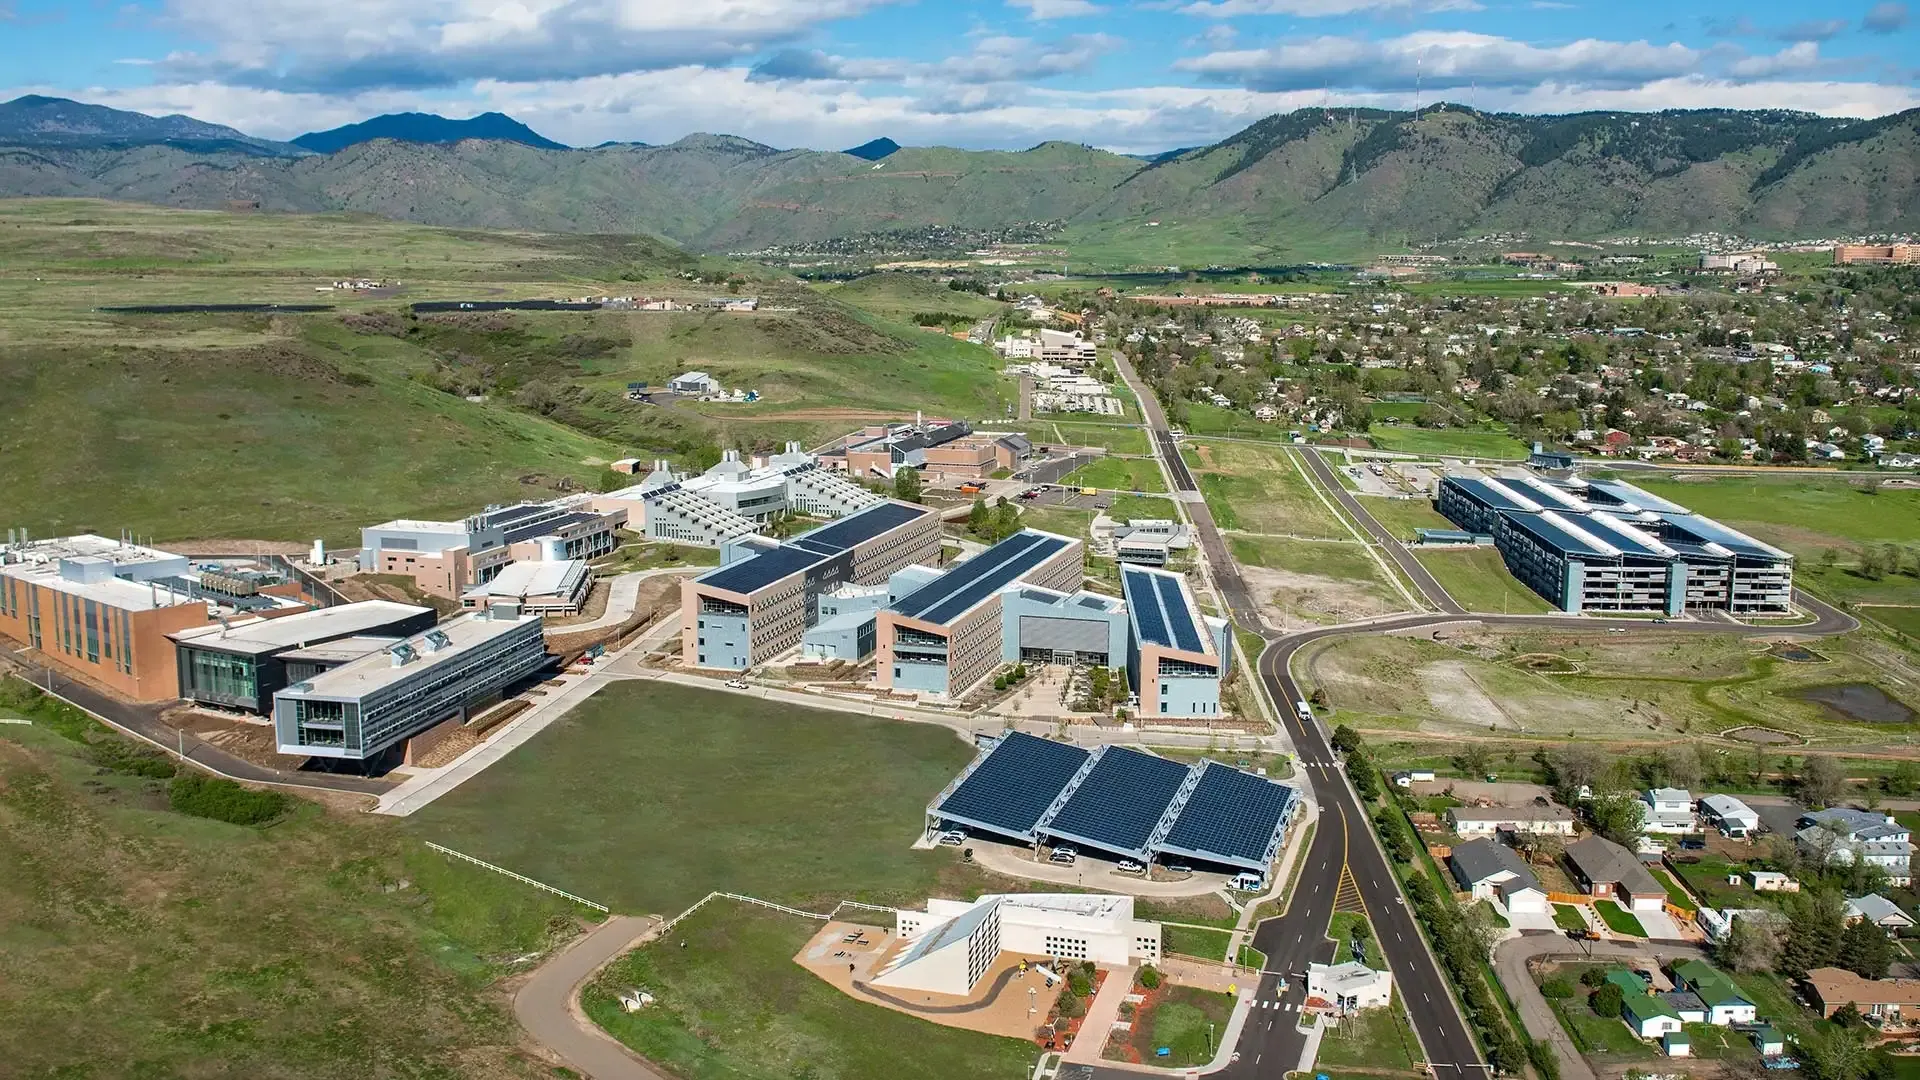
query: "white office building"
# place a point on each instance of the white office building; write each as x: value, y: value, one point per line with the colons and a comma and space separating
x: 948, y: 947
x: 1348, y: 987
x: 734, y: 498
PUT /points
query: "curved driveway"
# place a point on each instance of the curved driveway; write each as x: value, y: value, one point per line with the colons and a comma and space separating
x: 1513, y: 957
x: 547, y: 1005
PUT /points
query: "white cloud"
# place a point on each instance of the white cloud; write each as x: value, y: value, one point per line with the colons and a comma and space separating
x: 1885, y: 18
x: 993, y: 59
x: 1314, y: 9
x: 1800, y: 57
x: 1441, y: 60
x: 355, y: 45
x: 1057, y: 9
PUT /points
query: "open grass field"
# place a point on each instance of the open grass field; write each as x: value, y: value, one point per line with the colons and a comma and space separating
x: 900, y: 297
x: 1479, y: 580
x: 1117, y: 439
x: 1447, y: 442
x: 732, y: 1005
x: 1320, y: 581
x: 649, y: 796
x: 1261, y: 490
x: 1601, y: 1038
x: 1188, y: 1022
x: 1193, y: 941
x: 1402, y: 517
x: 1340, y: 928
x: 291, y: 426
x: 1206, y: 419
x: 1644, y: 690
x: 1119, y: 474
x: 137, y: 941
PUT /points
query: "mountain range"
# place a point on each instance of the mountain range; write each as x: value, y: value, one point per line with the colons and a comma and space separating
x: 1313, y: 183
x: 416, y: 127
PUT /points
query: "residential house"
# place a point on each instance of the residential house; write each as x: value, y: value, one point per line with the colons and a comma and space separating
x: 1648, y: 1016
x: 1829, y: 988
x: 1724, y: 1001
x: 1879, y: 911
x: 1669, y: 810
x: 1772, y: 881
x: 1732, y: 817
x: 694, y: 382
x: 1469, y: 821
x: 1842, y: 835
x: 1687, y: 1004
x: 1605, y: 869
x: 1489, y: 870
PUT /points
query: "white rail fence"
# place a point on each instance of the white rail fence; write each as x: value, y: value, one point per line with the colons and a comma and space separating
x: 521, y: 878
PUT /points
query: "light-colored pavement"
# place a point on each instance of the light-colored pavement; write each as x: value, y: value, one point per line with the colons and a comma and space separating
x: 1087, y: 873
x: 1102, y: 1014
x: 1511, y: 960
x: 1660, y: 926
x: 548, y: 1007
x: 623, y: 595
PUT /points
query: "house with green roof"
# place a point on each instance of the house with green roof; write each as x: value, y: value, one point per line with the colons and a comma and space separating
x: 1648, y: 1016
x: 1628, y: 982
x: 1724, y: 1001
x: 1767, y: 1040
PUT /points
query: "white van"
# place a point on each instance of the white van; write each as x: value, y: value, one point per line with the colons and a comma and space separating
x: 1303, y: 709
x: 1247, y: 882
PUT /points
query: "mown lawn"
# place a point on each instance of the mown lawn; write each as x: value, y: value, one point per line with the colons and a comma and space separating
x: 1188, y: 1022
x: 1374, y: 1039
x: 1194, y: 941
x: 733, y: 1005
x: 1619, y: 920
x: 1676, y: 895
x: 649, y: 796
x: 1447, y: 442
x: 1568, y: 917
x: 1121, y: 474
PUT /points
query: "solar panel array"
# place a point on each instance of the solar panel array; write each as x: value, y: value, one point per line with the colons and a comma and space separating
x: 953, y: 593
x: 1121, y: 801
x: 1016, y: 782
x: 1230, y: 815
x: 1145, y: 605
x: 859, y: 527
x: 761, y: 570
x: 1179, y: 615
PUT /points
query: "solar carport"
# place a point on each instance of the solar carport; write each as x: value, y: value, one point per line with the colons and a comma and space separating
x: 1117, y: 801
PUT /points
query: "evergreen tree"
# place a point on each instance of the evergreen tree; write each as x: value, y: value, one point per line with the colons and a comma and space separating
x: 1865, y: 950
x: 906, y: 484
x: 977, y: 518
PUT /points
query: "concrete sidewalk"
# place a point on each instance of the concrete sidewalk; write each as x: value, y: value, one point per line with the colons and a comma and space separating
x: 1102, y: 1014
x: 623, y: 595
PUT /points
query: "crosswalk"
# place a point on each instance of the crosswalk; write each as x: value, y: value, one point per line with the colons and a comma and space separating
x: 1282, y: 1006
x: 1319, y: 764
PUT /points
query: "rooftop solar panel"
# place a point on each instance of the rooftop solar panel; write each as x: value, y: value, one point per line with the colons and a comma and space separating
x: 1623, y: 492
x: 1552, y: 535
x: 1144, y: 602
x: 1493, y: 494
x: 1013, y: 785
x: 1120, y: 802
x: 859, y: 527
x: 1179, y: 615
x: 954, y: 593
x: 1231, y: 815
x: 1626, y: 537
x: 761, y: 570
x: 1710, y: 531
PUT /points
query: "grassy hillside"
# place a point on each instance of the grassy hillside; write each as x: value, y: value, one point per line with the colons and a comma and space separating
x: 902, y: 296
x: 138, y: 941
x: 1314, y: 183
x: 292, y: 426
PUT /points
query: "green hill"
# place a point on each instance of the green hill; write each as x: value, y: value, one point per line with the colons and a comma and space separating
x: 291, y: 426
x: 1314, y: 183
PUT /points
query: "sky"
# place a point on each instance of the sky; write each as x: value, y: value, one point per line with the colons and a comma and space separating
x: 1134, y: 76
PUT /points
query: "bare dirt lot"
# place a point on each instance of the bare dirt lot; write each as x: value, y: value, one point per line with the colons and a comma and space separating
x: 1288, y: 596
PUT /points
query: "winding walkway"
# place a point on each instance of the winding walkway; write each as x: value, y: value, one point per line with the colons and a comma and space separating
x: 548, y: 1003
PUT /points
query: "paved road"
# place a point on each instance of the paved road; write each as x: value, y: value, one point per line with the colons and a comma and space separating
x: 547, y: 1004
x: 1512, y: 957
x: 143, y: 722
x: 1226, y: 573
x: 1430, y: 588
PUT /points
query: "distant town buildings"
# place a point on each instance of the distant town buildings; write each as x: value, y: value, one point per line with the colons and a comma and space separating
x: 1875, y: 254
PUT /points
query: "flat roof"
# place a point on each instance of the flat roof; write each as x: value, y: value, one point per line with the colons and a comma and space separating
x: 113, y: 592
x: 1009, y: 787
x: 860, y: 527
x: 375, y: 672
x: 1553, y: 494
x: 261, y: 636
x: 340, y: 650
x: 1230, y: 816
x: 1161, y: 611
x: 1635, y: 497
x: 760, y: 570
x: 958, y: 590
x: 1710, y: 532
x: 1629, y: 537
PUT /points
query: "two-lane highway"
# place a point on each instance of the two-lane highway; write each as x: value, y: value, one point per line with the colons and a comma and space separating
x: 1389, y: 543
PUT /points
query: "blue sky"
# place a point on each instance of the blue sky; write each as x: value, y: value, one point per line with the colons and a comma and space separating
x: 1130, y: 75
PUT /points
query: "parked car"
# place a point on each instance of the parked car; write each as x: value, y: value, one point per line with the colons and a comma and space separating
x: 952, y: 838
x: 1063, y: 855
x: 1129, y: 866
x: 737, y: 684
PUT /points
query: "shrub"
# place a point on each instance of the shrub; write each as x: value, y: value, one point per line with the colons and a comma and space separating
x: 1149, y: 977
x: 1545, y: 1061
x: 223, y: 800
x: 1606, y: 1000
x: 1557, y: 988
x: 999, y: 682
x: 123, y: 757
x: 1079, y: 985
x: 1069, y: 1007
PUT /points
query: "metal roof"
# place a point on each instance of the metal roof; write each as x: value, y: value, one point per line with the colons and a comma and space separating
x: 957, y: 591
x: 1560, y: 534
x: 262, y: 636
x: 1492, y: 493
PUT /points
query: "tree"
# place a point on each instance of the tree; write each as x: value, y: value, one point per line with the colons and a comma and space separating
x: 1617, y: 814
x: 1900, y: 782
x: 1819, y: 781
x: 1606, y: 1001
x: 1752, y: 944
x: 1865, y: 950
x: 1682, y: 763
x: 906, y: 484
x: 1543, y: 848
x: 1473, y: 759
x: 978, y: 518
x: 1480, y: 924
x: 1345, y: 739
x: 1837, y: 1054
x: 1006, y: 520
x: 1572, y: 768
x: 1815, y: 923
